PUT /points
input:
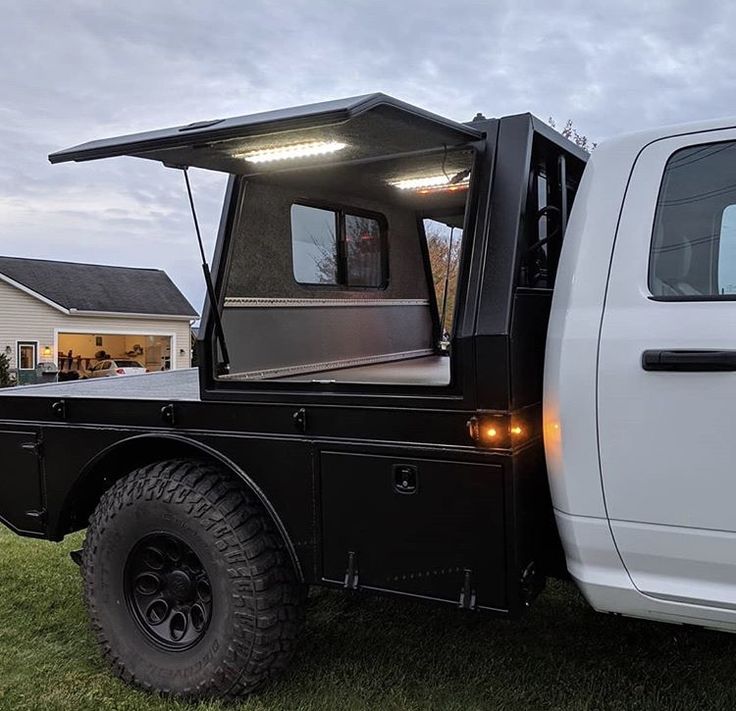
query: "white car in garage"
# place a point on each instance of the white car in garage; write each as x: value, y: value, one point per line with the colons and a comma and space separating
x: 111, y: 368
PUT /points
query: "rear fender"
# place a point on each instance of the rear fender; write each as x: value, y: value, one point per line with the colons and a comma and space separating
x: 119, y: 459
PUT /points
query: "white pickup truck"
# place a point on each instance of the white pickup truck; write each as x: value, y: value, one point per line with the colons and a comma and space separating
x: 438, y: 360
x: 640, y: 381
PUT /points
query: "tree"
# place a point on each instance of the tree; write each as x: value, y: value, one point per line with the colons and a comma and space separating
x: 572, y: 134
x: 5, y: 379
x: 440, y: 256
x: 362, y: 253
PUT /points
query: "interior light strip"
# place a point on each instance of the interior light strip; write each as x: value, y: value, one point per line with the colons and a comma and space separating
x: 294, y: 150
x: 437, y: 182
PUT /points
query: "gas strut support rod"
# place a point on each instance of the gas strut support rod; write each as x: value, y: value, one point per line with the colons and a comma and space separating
x: 448, y: 266
x: 224, y: 366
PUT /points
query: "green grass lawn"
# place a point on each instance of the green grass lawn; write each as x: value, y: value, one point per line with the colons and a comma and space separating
x: 371, y: 653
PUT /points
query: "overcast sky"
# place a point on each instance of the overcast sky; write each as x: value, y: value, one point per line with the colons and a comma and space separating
x: 75, y: 70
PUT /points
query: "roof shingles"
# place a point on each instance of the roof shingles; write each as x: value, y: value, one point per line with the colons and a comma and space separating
x: 94, y: 287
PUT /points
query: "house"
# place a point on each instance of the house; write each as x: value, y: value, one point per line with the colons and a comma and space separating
x: 73, y: 314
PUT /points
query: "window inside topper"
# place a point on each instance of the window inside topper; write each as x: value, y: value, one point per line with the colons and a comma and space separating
x: 314, y: 245
x: 335, y: 247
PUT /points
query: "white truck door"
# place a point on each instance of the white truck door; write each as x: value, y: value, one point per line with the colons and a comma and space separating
x: 667, y: 372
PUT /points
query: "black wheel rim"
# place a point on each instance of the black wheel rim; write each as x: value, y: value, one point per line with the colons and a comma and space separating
x: 168, y: 591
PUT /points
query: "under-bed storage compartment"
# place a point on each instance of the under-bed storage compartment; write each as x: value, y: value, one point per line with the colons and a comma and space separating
x: 416, y: 526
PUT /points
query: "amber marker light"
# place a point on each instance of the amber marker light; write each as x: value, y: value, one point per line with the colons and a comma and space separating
x: 489, y: 431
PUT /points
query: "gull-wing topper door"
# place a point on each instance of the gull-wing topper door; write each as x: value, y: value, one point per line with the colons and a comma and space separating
x: 356, y: 128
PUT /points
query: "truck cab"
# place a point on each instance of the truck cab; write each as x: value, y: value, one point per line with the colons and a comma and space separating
x: 437, y: 359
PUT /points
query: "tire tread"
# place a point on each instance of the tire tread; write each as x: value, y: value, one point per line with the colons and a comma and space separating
x: 269, y: 599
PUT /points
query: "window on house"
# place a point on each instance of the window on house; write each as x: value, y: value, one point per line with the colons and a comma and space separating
x: 693, y: 252
x: 338, y: 248
x: 27, y: 356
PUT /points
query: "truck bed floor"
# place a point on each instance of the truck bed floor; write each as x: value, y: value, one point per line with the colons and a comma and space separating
x: 427, y: 370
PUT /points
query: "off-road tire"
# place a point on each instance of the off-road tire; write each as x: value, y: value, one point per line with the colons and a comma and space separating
x: 257, y: 603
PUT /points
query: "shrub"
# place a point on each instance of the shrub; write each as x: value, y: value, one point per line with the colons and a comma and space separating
x: 5, y: 378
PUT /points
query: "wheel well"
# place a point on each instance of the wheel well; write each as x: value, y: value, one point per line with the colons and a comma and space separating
x: 124, y: 457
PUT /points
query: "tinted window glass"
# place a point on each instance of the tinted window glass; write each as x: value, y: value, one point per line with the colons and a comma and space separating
x: 727, y: 252
x: 128, y: 364
x: 363, y: 251
x: 338, y: 248
x: 694, y: 244
x: 314, y: 245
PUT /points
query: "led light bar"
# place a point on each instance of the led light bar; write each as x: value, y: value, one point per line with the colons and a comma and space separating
x: 431, y: 182
x: 294, y: 150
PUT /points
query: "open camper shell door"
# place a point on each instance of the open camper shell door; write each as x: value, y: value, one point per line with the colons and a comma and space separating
x: 364, y: 126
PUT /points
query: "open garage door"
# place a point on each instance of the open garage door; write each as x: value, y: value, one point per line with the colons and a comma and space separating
x: 78, y: 353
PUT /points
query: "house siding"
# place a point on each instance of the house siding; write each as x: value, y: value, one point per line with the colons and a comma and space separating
x: 25, y: 318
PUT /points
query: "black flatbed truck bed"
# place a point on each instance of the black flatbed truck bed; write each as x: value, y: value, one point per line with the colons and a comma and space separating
x: 70, y: 440
x: 367, y: 450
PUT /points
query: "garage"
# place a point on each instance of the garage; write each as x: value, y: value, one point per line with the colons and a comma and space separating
x: 81, y: 351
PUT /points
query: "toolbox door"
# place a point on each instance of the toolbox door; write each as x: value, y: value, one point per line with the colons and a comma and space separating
x: 21, y: 505
x: 426, y: 528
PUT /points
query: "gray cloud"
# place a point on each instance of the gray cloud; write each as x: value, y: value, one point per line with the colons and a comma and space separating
x: 81, y: 69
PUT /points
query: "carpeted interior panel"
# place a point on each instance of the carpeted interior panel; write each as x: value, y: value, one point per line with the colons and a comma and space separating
x: 261, y: 258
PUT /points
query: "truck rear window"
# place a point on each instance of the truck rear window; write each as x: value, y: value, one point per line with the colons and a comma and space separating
x: 334, y: 246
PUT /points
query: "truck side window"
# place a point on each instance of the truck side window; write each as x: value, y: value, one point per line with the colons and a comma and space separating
x: 727, y: 252
x: 336, y: 247
x: 693, y: 250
